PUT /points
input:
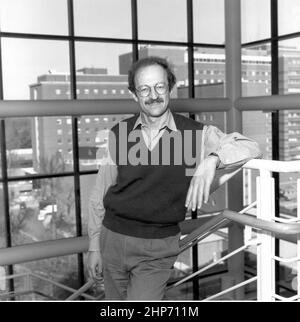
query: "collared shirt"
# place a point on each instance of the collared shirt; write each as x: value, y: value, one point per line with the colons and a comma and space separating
x: 232, y: 149
x: 152, y: 136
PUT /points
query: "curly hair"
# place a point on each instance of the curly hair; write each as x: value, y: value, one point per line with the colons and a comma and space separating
x: 149, y: 61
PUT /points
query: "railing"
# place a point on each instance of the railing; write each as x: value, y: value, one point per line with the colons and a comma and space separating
x: 267, y: 225
x: 266, y: 211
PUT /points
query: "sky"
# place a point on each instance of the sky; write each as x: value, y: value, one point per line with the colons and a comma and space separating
x: 23, y: 60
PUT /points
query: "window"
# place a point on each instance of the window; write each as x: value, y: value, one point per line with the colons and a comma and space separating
x: 34, y: 16
x: 255, y: 20
x: 38, y: 64
x: 165, y: 28
x: 106, y: 18
x: 108, y: 70
x: 288, y: 21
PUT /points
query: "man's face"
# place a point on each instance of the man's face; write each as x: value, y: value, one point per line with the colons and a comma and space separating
x: 154, y: 76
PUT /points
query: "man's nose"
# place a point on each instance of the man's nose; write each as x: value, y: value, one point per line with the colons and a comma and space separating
x: 153, y: 93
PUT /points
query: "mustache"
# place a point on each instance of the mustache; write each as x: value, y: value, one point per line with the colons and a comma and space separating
x: 157, y: 100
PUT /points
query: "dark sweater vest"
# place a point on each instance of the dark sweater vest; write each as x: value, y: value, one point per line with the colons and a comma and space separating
x: 148, y: 200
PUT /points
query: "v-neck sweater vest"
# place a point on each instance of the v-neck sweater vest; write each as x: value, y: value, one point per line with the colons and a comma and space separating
x: 148, y: 199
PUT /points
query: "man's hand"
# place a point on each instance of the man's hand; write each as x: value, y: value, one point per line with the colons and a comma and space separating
x: 94, y: 264
x: 200, y: 184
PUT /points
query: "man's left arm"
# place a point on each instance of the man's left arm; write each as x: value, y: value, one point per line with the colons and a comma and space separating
x: 222, y: 151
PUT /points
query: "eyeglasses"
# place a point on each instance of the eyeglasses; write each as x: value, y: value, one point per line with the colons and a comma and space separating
x: 145, y: 90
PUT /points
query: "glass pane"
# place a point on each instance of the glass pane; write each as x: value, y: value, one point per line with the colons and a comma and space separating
x: 257, y: 125
x: 209, y: 21
x: 255, y: 20
x: 288, y: 16
x: 102, y: 70
x: 106, y: 18
x: 2, y: 220
x: 177, y: 57
x: 87, y: 183
x: 92, y: 136
x: 210, y: 72
x: 288, y: 194
x: 256, y: 71
x: 289, y: 134
x: 210, y: 249
x: 34, y: 16
x: 35, y: 69
x: 39, y: 145
x: 166, y: 27
x: 61, y: 269
x: 289, y: 66
x: 41, y: 209
x: 288, y: 271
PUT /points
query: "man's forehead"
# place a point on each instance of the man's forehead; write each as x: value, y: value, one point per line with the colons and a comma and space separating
x: 151, y: 73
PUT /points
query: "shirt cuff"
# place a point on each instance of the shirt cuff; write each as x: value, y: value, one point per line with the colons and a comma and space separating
x: 94, y: 243
x: 216, y: 155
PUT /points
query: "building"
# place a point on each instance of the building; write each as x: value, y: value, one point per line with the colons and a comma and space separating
x: 52, y: 137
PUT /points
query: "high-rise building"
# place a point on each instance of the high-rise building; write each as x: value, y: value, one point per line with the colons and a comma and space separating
x: 52, y: 137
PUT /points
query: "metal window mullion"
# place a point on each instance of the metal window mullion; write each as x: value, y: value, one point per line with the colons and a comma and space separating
x: 6, y: 199
x: 256, y: 42
x: 233, y: 54
x: 73, y: 91
x: 275, y: 121
x: 134, y: 26
x: 190, y: 37
x: 191, y: 94
x: 38, y: 176
x: 16, y: 35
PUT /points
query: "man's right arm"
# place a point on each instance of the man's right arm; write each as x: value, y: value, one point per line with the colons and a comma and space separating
x: 106, y: 177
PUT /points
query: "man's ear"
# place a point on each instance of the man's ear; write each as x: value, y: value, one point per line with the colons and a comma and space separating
x: 133, y: 96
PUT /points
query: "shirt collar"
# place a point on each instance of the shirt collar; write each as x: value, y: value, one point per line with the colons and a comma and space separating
x: 168, y: 122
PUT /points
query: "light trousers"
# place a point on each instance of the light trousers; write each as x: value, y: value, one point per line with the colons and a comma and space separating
x: 136, y: 268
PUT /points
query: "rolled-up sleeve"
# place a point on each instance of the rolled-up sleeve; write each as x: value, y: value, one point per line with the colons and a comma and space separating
x: 233, y: 149
x: 106, y: 177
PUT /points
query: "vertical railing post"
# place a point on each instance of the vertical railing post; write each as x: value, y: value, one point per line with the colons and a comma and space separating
x: 266, y: 248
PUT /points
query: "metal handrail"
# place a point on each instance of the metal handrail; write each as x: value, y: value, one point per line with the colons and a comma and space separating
x: 204, y: 227
x: 68, y: 246
x: 268, y: 103
x: 43, y: 250
x: 27, y: 108
x: 273, y: 227
x: 273, y: 166
x: 203, y: 231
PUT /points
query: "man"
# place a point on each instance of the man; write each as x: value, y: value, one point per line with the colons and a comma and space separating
x: 139, y: 199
